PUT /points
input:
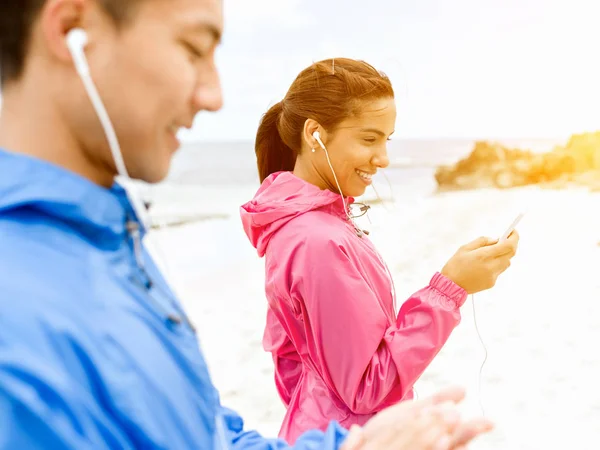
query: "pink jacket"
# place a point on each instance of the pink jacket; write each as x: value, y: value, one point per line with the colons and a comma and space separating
x: 340, y: 351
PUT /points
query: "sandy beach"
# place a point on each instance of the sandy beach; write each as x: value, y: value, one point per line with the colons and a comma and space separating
x: 540, y: 322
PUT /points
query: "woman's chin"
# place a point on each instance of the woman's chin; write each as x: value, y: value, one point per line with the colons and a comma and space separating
x: 356, y: 191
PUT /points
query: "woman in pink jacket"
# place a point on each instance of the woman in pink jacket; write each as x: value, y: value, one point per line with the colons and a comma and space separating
x: 341, y: 350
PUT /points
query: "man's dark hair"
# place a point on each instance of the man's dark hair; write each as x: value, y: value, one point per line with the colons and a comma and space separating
x: 16, y: 21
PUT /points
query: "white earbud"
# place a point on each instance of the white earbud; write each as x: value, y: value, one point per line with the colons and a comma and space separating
x: 317, y: 137
x: 77, y: 39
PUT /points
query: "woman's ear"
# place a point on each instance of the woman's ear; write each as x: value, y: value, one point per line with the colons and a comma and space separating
x: 310, y: 127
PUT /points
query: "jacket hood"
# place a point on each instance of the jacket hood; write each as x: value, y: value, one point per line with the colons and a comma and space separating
x: 282, y: 197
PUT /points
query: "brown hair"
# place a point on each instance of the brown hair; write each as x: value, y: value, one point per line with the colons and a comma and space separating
x: 328, y: 92
x: 16, y: 21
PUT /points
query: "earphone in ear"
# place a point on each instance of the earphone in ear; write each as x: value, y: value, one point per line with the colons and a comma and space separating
x: 77, y: 39
x: 317, y: 137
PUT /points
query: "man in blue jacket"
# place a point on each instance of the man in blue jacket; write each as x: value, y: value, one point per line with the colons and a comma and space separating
x: 95, y: 349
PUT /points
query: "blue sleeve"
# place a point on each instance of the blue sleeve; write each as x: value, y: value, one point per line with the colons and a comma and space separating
x: 41, y: 404
x: 331, y: 439
x: 31, y: 418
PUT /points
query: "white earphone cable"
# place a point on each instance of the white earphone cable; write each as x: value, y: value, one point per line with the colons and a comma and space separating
x: 109, y: 131
x: 338, y: 185
x: 393, y: 288
x: 105, y: 121
x: 485, y: 357
x: 389, y: 275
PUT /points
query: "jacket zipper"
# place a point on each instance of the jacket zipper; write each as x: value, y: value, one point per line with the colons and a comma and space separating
x: 133, y: 229
x: 360, y: 234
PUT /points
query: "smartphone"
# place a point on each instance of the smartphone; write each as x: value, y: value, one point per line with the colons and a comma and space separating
x: 512, y: 227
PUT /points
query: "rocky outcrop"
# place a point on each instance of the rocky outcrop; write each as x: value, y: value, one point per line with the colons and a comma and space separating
x: 491, y: 165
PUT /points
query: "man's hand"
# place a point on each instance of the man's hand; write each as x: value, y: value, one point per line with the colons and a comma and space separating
x: 428, y: 424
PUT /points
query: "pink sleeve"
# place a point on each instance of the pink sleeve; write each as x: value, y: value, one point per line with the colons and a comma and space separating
x: 368, y: 363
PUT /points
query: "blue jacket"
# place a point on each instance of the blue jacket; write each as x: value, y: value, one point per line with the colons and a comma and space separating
x: 94, y: 348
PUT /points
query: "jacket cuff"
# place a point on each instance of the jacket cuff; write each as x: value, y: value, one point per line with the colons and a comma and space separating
x: 452, y: 292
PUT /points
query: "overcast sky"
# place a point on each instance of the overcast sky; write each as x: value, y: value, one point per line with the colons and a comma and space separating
x: 461, y: 68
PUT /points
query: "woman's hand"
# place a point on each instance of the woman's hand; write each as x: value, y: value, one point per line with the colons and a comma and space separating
x: 476, y: 266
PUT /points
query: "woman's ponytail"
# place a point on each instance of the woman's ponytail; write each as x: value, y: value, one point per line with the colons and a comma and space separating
x: 272, y: 154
